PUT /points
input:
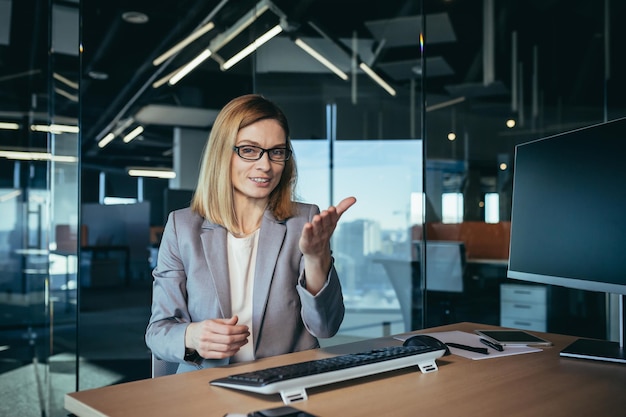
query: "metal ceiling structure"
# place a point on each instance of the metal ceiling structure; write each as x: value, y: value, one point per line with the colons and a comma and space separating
x: 120, y: 39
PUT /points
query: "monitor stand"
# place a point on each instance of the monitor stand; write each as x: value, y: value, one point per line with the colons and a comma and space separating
x: 600, y: 350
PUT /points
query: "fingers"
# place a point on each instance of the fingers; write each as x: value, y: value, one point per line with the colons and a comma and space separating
x: 316, y: 234
x: 344, y: 205
x: 328, y: 219
x: 219, y: 338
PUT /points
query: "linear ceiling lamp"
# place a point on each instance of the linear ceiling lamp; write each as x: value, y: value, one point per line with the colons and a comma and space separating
x: 308, y: 49
x: 133, y: 134
x: 377, y: 78
x: 65, y: 81
x: 216, y: 44
x: 446, y: 103
x: 245, y: 21
x: 9, y: 126
x: 190, y: 66
x: 36, y: 156
x: 54, y: 128
x: 252, y: 47
x: 354, y: 54
x: 67, y: 95
x: 180, y: 45
x: 151, y: 172
x: 106, y: 140
x: 111, y: 135
x: 10, y: 195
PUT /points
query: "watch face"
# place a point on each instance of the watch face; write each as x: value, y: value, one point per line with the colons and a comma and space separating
x: 191, y: 356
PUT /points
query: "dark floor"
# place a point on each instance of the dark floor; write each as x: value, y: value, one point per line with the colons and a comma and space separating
x: 111, y: 326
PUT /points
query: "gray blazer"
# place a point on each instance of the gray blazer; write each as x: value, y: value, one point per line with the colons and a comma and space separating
x: 191, y: 284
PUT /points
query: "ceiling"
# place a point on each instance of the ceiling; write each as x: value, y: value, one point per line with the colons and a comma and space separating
x: 122, y: 38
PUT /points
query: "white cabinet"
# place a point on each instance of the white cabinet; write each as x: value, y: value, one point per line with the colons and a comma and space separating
x: 524, y: 307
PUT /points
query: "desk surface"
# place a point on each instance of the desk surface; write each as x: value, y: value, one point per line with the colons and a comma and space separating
x: 533, y: 384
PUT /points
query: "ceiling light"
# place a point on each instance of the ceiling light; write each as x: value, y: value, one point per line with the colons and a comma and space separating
x: 245, y: 21
x: 151, y: 172
x: 121, y: 126
x: 54, y: 128
x: 189, y: 67
x: 252, y: 47
x: 106, y: 140
x: 98, y: 75
x: 9, y: 126
x: 36, y: 156
x: 10, y: 195
x: 377, y: 78
x: 307, y: 48
x: 135, y: 17
x: 69, y: 96
x: 65, y: 81
x: 133, y: 134
x: 180, y: 45
x: 444, y: 104
x: 216, y: 44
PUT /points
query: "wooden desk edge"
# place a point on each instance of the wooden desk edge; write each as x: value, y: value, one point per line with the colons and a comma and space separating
x: 82, y: 403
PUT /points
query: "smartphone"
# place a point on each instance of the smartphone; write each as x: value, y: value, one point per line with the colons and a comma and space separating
x: 513, y: 338
x: 285, y: 411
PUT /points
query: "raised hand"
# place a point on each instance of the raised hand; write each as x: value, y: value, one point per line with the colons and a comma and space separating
x: 316, y: 234
x: 315, y: 243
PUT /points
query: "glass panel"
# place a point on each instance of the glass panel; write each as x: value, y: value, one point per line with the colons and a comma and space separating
x: 515, y: 78
x: 374, y: 241
x: 39, y: 208
x: 372, y: 245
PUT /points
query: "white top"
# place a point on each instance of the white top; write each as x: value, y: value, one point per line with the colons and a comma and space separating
x: 241, y: 265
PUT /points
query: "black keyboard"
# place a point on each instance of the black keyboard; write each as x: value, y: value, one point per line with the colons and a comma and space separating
x: 292, y: 380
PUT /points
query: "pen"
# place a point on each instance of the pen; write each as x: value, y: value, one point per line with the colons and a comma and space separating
x: 495, y: 346
x: 482, y: 350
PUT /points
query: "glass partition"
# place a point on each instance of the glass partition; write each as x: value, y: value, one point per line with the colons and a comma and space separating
x: 39, y: 208
x: 526, y: 71
x: 372, y: 245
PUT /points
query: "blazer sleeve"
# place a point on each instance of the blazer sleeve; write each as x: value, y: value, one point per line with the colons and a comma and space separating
x: 165, y: 334
x: 323, y: 313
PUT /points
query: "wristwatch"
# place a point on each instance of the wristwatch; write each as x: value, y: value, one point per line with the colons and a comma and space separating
x: 192, y: 356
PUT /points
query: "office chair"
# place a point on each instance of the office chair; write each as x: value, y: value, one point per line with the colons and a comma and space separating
x: 445, y: 264
x: 162, y: 368
x: 445, y: 269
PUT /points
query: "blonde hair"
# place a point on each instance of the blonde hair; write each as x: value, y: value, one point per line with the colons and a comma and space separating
x: 213, y: 197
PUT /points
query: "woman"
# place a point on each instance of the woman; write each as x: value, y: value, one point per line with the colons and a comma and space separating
x: 245, y: 272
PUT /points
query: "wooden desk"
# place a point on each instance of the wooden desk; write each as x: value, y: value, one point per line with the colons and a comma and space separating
x: 533, y: 384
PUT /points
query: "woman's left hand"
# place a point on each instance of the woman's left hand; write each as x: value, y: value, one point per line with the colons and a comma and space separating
x: 316, y: 234
x: 315, y: 244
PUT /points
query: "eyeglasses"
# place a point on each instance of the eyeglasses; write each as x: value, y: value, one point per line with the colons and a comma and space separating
x: 254, y: 153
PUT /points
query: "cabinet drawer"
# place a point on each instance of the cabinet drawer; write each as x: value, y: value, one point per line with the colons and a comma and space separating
x: 537, y: 325
x: 523, y: 310
x: 523, y: 293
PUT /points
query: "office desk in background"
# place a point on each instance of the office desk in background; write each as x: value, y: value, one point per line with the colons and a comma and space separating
x: 532, y: 384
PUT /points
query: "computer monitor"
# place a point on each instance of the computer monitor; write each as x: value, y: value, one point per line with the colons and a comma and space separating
x: 568, y: 219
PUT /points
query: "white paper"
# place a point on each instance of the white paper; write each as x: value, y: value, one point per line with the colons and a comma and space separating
x: 471, y: 339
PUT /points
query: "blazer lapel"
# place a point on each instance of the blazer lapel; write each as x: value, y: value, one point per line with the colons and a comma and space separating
x: 271, y: 238
x: 214, y: 247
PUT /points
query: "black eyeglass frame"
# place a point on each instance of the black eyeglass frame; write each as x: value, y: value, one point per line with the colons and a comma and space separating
x: 288, y: 153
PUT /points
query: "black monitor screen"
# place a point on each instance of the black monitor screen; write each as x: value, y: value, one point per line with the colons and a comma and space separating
x: 568, y: 219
